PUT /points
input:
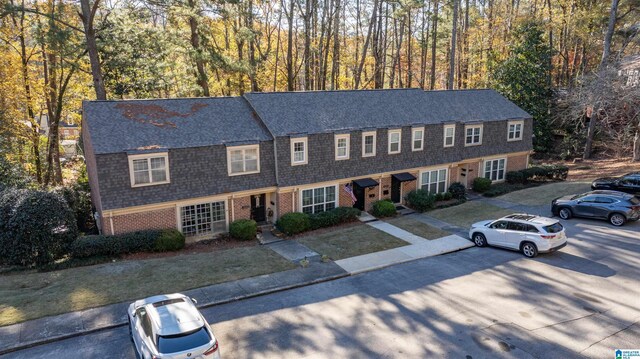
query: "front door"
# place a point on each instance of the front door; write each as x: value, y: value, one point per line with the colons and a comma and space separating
x: 258, y: 207
x: 463, y: 172
x: 358, y: 192
x: 395, y: 190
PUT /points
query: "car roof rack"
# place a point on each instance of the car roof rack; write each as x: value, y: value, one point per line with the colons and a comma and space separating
x: 522, y: 216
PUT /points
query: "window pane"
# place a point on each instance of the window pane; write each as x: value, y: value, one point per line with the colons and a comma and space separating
x: 433, y: 187
x: 140, y: 165
x: 307, y: 197
x: 141, y: 177
x: 307, y: 210
x: 236, y: 155
x: 237, y: 167
x: 417, y: 144
x: 342, y: 152
x: 441, y: 187
x: 329, y: 206
x: 251, y: 154
x: 157, y: 163
x: 318, y: 195
x: 251, y: 165
x: 330, y: 195
x: 158, y: 175
x: 395, y: 147
x: 318, y: 208
x: 448, y: 141
x: 298, y: 157
x: 417, y: 135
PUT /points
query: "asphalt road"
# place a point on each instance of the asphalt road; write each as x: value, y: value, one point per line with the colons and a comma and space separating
x: 477, y: 303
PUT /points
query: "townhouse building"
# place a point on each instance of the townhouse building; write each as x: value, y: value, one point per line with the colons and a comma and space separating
x: 198, y: 164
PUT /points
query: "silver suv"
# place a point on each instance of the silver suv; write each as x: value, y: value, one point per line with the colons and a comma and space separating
x: 170, y: 327
x: 613, y: 206
x: 527, y: 233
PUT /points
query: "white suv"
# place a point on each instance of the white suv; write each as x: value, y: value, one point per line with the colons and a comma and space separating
x: 527, y: 233
x: 170, y: 327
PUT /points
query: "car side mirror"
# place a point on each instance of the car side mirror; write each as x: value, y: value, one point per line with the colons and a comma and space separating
x: 194, y: 300
x: 579, y: 201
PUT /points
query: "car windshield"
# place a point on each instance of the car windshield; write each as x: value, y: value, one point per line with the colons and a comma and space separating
x: 184, y: 341
x: 579, y: 196
x: 554, y: 228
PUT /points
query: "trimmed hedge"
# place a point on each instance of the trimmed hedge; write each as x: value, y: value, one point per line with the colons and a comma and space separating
x: 457, y: 190
x: 383, y: 208
x: 346, y: 214
x: 323, y: 219
x: 481, y: 184
x: 134, y: 242
x: 538, y: 173
x: 243, y: 229
x: 36, y: 227
x: 421, y: 200
x: 293, y: 223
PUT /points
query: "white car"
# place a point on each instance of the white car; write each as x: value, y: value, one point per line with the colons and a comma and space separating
x: 170, y: 327
x: 527, y: 233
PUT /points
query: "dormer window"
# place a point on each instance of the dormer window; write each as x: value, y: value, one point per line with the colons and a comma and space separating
x: 149, y: 169
x: 394, y: 141
x: 342, y: 146
x: 473, y: 135
x: 299, y: 151
x: 514, y: 132
x: 242, y: 160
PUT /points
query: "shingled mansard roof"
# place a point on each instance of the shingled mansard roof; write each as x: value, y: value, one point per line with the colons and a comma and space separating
x: 151, y: 125
x: 287, y: 113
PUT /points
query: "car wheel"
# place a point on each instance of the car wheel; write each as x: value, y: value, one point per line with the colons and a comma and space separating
x: 565, y: 213
x: 479, y: 239
x: 529, y: 249
x: 617, y: 219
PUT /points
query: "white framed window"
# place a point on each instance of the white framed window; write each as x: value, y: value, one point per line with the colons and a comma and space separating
x: 203, y: 219
x: 514, y: 131
x: 369, y: 144
x: 449, y: 135
x: 417, y: 138
x: 149, y: 169
x: 434, y: 181
x: 316, y: 200
x: 299, y: 151
x: 242, y: 160
x: 395, y: 137
x: 342, y: 146
x: 494, y: 169
x: 473, y: 135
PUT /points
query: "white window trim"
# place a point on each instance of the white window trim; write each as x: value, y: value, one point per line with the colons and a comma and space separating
x: 491, y: 159
x: 399, y: 132
x: 335, y: 140
x: 431, y: 169
x: 413, y: 131
x: 179, y: 206
x: 365, y: 134
x: 519, y: 122
x: 148, y: 156
x: 465, y: 135
x: 444, y: 136
x: 247, y: 147
x: 299, y: 194
x: 306, y: 151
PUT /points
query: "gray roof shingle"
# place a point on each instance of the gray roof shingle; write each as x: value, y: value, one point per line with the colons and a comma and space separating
x: 139, y: 125
x: 287, y: 113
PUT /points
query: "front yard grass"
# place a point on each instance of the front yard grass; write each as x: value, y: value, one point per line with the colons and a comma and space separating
x: 351, y: 241
x: 412, y: 225
x: 30, y: 295
x: 468, y: 213
x: 544, y: 194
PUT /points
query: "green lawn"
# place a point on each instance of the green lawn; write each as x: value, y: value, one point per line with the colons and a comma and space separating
x: 468, y: 213
x: 30, y: 295
x: 540, y: 195
x: 351, y: 241
x: 412, y: 225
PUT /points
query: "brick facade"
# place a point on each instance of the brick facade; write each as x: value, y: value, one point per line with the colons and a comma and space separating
x: 515, y: 163
x: 157, y: 219
x: 284, y: 202
x: 241, y: 208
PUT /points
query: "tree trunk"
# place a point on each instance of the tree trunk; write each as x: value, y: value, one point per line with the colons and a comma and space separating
x: 433, y: 45
x: 201, y: 75
x: 252, y: 48
x: 636, y: 145
x: 365, y: 47
x: 590, y: 133
x: 290, y: 79
x: 87, y: 17
x: 452, y: 56
x: 606, y: 50
x: 335, y: 66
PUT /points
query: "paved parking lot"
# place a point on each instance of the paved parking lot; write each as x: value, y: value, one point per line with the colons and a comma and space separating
x: 583, y: 301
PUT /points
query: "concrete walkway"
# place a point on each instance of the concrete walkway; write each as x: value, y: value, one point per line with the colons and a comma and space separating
x: 292, y: 250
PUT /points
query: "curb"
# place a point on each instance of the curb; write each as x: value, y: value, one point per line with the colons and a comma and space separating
x: 207, y: 305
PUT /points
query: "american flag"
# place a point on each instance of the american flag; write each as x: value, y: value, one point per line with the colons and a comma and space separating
x: 347, y: 188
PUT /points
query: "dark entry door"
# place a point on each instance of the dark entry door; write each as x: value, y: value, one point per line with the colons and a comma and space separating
x: 359, y: 193
x: 258, y: 207
x: 395, y: 190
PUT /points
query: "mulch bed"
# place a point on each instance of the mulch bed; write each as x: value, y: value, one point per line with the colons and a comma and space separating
x: 208, y: 245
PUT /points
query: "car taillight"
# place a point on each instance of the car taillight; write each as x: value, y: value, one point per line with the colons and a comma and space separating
x: 548, y: 237
x: 212, y: 349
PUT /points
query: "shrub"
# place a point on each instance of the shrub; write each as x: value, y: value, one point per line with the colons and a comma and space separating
x: 294, y: 222
x: 323, y: 219
x: 499, y: 189
x: 421, y: 200
x: 457, y: 190
x: 515, y: 177
x: 447, y: 196
x: 557, y: 172
x: 134, y: 242
x: 384, y: 208
x: 243, y: 229
x: 36, y: 227
x: 79, y: 201
x: 481, y: 184
x: 439, y: 196
x: 169, y: 240
x: 346, y: 214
